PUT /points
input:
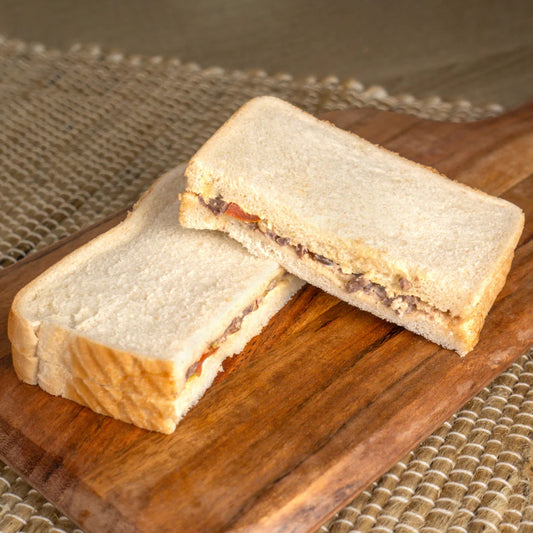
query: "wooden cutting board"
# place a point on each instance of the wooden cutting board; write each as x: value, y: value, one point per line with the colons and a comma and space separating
x: 318, y: 406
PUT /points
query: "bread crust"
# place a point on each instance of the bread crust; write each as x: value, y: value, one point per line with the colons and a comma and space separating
x: 95, y: 368
x: 23, y: 345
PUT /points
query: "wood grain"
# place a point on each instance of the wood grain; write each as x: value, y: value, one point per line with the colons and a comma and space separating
x: 318, y: 406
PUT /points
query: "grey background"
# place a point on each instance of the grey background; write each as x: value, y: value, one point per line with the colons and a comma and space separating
x: 480, y: 50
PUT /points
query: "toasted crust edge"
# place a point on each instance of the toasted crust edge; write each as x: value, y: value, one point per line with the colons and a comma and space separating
x: 23, y: 345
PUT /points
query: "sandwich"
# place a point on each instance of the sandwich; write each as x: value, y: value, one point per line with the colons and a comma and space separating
x: 378, y: 231
x: 136, y: 323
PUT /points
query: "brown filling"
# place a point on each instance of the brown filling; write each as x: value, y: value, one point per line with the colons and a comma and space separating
x: 352, y: 282
x: 358, y: 282
x: 196, y: 368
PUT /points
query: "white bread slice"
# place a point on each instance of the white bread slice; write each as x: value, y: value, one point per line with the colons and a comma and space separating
x: 117, y: 324
x: 371, y: 212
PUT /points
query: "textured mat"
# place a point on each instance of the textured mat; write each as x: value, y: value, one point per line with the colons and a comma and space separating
x: 84, y: 132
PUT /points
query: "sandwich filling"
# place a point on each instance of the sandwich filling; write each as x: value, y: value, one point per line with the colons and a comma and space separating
x: 196, y: 368
x: 401, y: 304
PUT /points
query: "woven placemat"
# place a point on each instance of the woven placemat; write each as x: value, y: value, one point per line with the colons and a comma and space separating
x: 83, y: 132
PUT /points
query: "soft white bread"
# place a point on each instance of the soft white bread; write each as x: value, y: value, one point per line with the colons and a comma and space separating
x: 120, y: 324
x: 365, y: 210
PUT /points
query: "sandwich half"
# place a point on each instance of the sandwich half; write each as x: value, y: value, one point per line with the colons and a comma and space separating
x: 136, y: 323
x: 385, y: 234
